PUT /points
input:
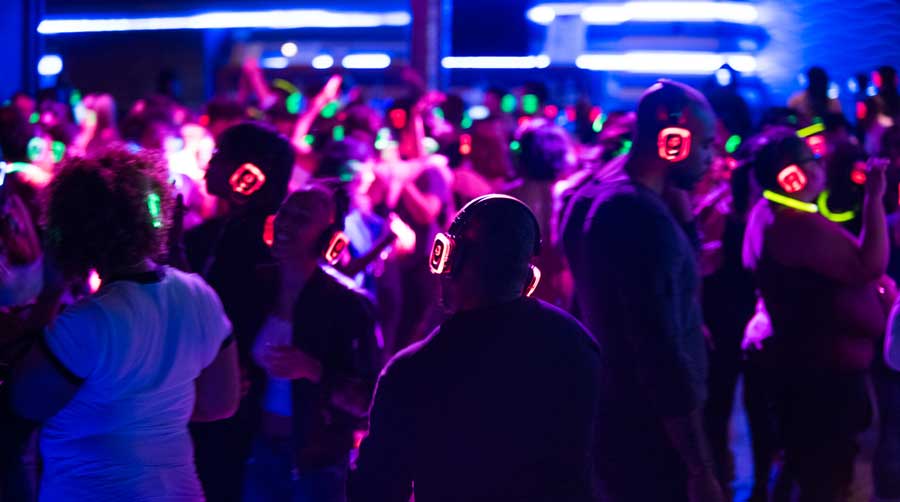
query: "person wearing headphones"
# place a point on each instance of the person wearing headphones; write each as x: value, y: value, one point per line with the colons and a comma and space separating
x: 498, y: 403
x: 636, y: 285
x: 318, y: 348
x: 248, y: 174
x: 828, y: 301
x: 115, y: 377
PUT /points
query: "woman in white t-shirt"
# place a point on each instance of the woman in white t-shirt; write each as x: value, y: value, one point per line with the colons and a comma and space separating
x: 116, y: 377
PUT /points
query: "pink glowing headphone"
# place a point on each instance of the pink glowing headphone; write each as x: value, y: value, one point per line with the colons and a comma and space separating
x: 792, y: 179
x: 332, y: 243
x: 674, y: 141
x: 674, y: 144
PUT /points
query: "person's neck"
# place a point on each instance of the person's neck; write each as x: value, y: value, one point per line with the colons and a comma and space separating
x: 644, y: 169
x: 296, y: 276
x: 142, y: 266
x: 479, y: 301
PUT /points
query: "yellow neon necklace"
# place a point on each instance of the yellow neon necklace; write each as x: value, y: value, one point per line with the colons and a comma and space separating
x: 777, y: 198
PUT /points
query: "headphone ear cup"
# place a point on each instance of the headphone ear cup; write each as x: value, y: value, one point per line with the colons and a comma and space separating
x: 792, y: 179
x: 337, y: 242
x: 442, y: 254
x: 674, y: 144
x: 534, y: 281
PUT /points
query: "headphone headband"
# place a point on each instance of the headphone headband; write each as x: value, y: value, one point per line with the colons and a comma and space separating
x: 445, y: 244
x: 465, y: 214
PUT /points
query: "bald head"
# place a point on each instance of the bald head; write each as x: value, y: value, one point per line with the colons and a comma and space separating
x: 499, y: 236
x: 673, y: 104
x: 668, y: 103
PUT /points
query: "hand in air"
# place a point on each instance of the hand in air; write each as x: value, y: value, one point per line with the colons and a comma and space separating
x: 875, y: 177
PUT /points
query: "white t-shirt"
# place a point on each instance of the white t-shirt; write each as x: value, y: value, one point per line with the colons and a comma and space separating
x: 139, y: 348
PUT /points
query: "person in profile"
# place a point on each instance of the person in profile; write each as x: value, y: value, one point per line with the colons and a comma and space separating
x: 499, y: 402
x: 628, y: 241
x: 249, y: 175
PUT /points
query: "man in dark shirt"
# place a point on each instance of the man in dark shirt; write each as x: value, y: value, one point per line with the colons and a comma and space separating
x: 636, y: 284
x: 499, y: 402
x: 249, y: 173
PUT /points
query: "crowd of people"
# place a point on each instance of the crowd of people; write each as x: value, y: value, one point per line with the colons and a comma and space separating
x: 291, y: 294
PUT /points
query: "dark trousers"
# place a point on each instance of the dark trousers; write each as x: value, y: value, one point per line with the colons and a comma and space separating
x: 724, y: 371
x: 272, y: 476
x: 728, y: 304
x: 220, y: 452
x: 634, y: 460
x: 886, y: 464
x: 821, y: 415
x: 759, y: 402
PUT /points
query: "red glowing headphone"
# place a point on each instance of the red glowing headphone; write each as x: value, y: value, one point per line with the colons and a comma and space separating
x: 858, y: 174
x: 333, y: 243
x: 674, y: 141
x: 792, y: 179
x: 247, y: 179
x: 448, y: 250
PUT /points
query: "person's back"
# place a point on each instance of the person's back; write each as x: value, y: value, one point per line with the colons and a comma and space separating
x: 499, y: 403
x: 139, y: 345
x: 636, y: 285
x: 794, y: 295
x: 628, y: 228
x: 636, y: 281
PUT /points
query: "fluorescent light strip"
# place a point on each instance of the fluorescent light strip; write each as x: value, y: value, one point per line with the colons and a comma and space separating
x: 275, y: 63
x: 294, y: 18
x: 496, y: 62
x: 322, y: 62
x: 372, y: 61
x: 545, y: 13
x: 666, y: 62
x: 646, y: 11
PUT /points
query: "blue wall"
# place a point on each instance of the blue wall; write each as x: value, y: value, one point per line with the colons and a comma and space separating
x: 12, y: 50
x: 843, y: 36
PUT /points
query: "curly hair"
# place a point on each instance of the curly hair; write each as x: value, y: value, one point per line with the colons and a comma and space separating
x: 108, y: 211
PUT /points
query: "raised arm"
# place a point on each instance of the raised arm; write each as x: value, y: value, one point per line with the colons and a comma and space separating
x: 306, y: 119
x: 817, y: 244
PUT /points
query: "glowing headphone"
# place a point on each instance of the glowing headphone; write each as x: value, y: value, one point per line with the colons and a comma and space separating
x: 858, y: 174
x: 38, y: 146
x: 334, y: 241
x: 674, y: 141
x: 448, y: 250
x: 247, y: 179
x: 817, y: 144
x: 792, y: 179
